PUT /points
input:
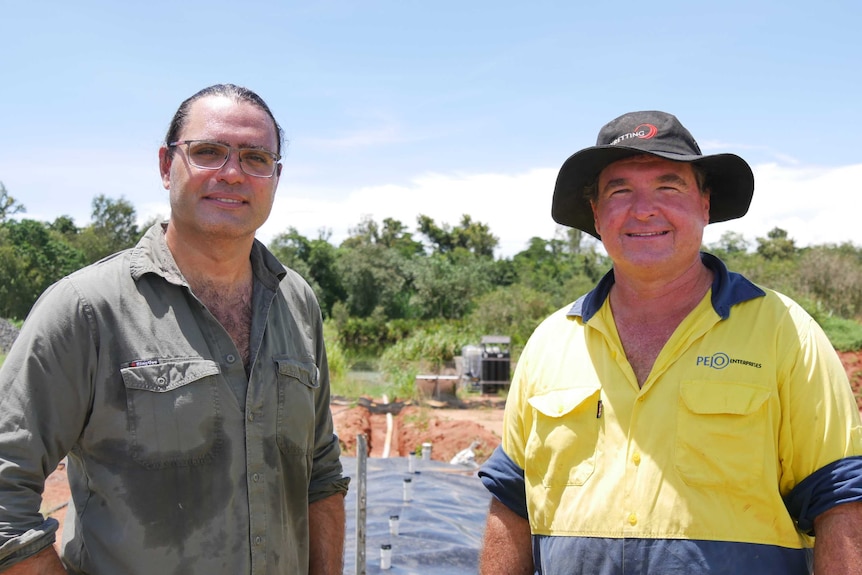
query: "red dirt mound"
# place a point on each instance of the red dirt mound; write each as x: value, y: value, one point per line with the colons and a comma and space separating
x: 411, y: 426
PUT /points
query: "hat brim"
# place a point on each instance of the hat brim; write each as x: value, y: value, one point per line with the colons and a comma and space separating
x: 728, y: 177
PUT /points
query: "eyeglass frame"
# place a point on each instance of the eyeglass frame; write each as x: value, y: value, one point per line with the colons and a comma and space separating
x: 230, y: 150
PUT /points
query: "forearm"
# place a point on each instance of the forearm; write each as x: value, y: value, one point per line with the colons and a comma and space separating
x: 46, y: 562
x: 326, y: 536
x: 838, y: 540
x: 507, y: 547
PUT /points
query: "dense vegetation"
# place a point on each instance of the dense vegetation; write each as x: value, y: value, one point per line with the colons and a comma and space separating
x: 407, y: 300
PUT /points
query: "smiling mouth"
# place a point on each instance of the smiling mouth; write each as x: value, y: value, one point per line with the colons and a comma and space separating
x: 647, y: 234
x: 227, y: 200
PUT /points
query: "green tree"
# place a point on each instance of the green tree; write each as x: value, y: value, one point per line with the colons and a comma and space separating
x: 8, y: 205
x: 777, y: 245
x: 514, y: 311
x: 393, y: 234
x: 559, y: 269
x: 112, y: 229
x: 32, y: 257
x: 315, y: 260
x: 447, y: 284
x: 474, y: 237
x: 373, y: 277
x: 730, y: 243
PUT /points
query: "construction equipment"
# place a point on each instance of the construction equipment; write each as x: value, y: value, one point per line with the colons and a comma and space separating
x: 486, y: 367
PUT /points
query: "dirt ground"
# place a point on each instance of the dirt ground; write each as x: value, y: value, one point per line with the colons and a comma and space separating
x: 449, y: 426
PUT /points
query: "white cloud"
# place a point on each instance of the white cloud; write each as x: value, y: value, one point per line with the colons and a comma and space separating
x: 516, y: 207
x: 813, y: 205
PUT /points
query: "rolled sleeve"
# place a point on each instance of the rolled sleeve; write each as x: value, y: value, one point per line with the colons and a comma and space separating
x: 17, y: 548
x: 835, y: 484
x: 505, y: 480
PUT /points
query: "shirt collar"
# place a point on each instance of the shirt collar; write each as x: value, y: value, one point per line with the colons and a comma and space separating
x: 151, y: 255
x: 728, y: 289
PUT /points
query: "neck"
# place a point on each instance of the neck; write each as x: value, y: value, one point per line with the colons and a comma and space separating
x: 215, y: 260
x: 653, y: 298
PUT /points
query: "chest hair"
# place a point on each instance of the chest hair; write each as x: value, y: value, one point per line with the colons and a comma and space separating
x: 642, y: 344
x: 231, y: 306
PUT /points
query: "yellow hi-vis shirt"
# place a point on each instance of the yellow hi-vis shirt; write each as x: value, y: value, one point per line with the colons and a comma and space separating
x: 736, y: 412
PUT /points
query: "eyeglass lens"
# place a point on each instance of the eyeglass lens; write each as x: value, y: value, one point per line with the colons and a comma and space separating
x: 212, y: 156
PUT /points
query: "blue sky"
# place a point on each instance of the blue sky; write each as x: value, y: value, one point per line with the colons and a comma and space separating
x: 396, y: 108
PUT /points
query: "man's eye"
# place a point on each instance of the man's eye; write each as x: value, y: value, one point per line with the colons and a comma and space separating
x: 257, y: 158
x: 207, y: 151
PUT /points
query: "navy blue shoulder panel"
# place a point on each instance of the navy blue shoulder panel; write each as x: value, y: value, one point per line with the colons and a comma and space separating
x: 831, y: 485
x: 505, y: 480
x: 587, y: 305
x: 728, y: 288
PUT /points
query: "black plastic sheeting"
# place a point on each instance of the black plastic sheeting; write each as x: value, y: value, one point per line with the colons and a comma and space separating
x: 440, y: 529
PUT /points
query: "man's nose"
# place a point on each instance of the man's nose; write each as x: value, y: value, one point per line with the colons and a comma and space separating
x: 644, y: 203
x: 231, y: 171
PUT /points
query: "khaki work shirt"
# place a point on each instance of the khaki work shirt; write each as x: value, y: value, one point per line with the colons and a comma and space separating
x: 178, y: 462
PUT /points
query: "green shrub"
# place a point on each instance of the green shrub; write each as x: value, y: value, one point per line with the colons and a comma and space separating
x: 334, y: 352
x: 845, y: 334
x: 513, y: 310
x: 427, y: 350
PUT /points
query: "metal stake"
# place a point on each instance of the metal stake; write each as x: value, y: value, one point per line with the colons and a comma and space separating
x: 361, y: 501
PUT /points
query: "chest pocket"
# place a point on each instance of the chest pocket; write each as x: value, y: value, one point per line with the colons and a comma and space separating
x: 173, y: 413
x: 298, y: 382
x: 721, y: 434
x: 563, y: 443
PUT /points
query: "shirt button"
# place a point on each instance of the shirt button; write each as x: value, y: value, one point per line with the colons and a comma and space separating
x: 255, y: 477
x: 250, y: 416
x: 230, y: 358
x: 633, y: 519
x: 258, y: 540
x: 636, y: 458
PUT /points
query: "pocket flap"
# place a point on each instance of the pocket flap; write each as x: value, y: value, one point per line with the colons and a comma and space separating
x: 166, y: 376
x: 305, y: 372
x: 559, y: 402
x: 715, y: 397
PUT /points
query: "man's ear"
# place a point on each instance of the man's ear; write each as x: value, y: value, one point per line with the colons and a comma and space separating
x: 595, y: 217
x: 165, y: 161
x: 278, y: 170
x: 707, y: 197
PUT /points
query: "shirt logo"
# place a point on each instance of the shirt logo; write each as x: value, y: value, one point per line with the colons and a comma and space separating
x: 721, y: 360
x: 143, y: 363
x: 644, y: 132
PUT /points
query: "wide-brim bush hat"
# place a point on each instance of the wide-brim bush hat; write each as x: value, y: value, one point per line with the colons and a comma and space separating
x: 728, y: 177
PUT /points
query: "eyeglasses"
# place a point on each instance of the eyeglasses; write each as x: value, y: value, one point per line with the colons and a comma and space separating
x: 213, y: 155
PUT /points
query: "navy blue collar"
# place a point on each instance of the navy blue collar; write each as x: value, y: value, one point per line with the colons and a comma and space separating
x: 728, y: 289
